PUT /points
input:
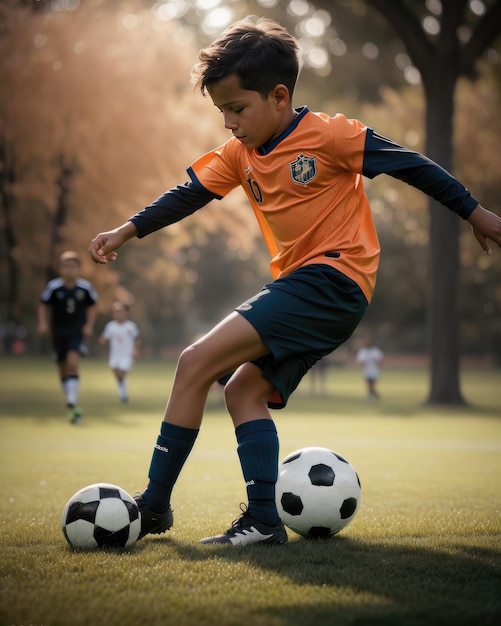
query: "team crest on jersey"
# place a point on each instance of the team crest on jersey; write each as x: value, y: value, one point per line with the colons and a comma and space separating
x: 303, y: 169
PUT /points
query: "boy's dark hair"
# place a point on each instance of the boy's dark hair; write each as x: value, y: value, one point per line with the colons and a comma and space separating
x: 261, y: 53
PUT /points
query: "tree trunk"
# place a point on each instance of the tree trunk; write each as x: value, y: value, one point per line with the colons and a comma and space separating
x: 440, y: 64
x: 7, y: 180
x: 60, y: 218
x: 443, y: 320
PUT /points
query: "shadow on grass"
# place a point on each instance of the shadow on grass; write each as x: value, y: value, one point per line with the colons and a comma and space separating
x: 401, y: 584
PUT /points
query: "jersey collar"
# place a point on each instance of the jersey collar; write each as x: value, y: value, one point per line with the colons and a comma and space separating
x: 266, y: 148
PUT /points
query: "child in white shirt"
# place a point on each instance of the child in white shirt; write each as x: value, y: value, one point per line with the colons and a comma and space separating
x: 370, y: 356
x: 123, y: 337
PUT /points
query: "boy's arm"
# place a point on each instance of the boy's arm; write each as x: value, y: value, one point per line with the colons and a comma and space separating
x: 91, y: 312
x: 104, y: 338
x: 43, y: 326
x: 173, y: 206
x: 485, y: 225
x: 384, y: 156
x: 104, y: 246
x: 169, y: 208
x: 137, y: 347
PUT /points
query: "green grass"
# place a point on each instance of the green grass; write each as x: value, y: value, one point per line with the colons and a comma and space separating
x: 425, y: 547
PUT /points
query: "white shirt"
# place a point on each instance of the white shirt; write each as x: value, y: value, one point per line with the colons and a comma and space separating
x: 370, y: 358
x: 122, y: 337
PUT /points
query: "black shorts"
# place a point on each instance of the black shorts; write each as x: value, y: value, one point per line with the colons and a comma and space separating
x: 62, y: 344
x: 301, y: 318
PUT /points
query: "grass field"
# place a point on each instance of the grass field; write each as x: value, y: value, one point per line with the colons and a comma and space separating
x: 425, y: 547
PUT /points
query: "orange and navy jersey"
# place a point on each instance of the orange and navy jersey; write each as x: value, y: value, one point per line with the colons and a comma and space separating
x: 306, y: 190
x: 307, y: 193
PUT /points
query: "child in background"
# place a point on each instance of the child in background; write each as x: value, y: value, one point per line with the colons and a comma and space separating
x: 370, y: 356
x: 71, y: 301
x: 123, y: 337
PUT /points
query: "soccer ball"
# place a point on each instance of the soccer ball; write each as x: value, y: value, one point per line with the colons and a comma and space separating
x: 101, y: 516
x: 318, y: 492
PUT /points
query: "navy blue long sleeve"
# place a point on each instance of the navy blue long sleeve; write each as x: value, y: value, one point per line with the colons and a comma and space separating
x: 171, y: 207
x: 383, y: 156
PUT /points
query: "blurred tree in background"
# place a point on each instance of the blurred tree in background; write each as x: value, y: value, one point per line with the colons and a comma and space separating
x: 445, y: 40
x: 98, y: 117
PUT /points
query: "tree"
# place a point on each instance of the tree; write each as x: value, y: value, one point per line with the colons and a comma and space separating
x: 97, y: 118
x: 443, y: 45
x: 7, y: 181
x: 403, y: 221
x: 441, y: 61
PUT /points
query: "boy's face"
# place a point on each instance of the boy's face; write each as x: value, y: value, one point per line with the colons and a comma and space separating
x: 69, y: 269
x: 252, y: 119
x: 119, y: 313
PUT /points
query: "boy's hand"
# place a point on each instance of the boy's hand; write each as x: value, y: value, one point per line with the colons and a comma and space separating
x: 486, y: 225
x: 43, y: 328
x: 88, y: 330
x: 104, y: 246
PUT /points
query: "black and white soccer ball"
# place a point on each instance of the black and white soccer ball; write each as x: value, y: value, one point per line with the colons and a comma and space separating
x: 318, y: 492
x: 101, y: 516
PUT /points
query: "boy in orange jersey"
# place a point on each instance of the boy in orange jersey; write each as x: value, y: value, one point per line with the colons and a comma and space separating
x: 302, y: 173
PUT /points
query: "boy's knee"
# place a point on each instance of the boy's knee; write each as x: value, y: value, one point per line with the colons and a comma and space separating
x: 231, y: 394
x: 194, y: 364
x: 243, y: 394
x: 188, y: 360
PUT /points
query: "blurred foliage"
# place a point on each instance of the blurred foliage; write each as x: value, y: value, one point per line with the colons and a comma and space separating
x: 102, y: 90
x: 398, y: 310
x: 90, y: 92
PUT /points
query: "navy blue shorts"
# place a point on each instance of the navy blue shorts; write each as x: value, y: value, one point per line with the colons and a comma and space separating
x: 62, y: 344
x: 301, y: 318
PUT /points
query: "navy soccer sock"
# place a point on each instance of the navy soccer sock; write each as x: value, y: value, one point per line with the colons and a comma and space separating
x: 173, y: 446
x: 258, y: 453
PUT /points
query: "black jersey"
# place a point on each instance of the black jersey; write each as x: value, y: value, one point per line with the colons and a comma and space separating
x: 68, y: 305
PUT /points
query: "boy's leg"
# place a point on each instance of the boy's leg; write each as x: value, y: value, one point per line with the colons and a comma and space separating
x: 70, y: 382
x: 301, y: 317
x: 174, y: 444
x: 121, y: 383
x: 223, y: 349
x: 258, y: 454
x: 71, y: 386
x: 247, y: 395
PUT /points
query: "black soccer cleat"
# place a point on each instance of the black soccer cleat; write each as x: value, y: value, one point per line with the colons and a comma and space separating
x: 153, y: 523
x: 247, y: 530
